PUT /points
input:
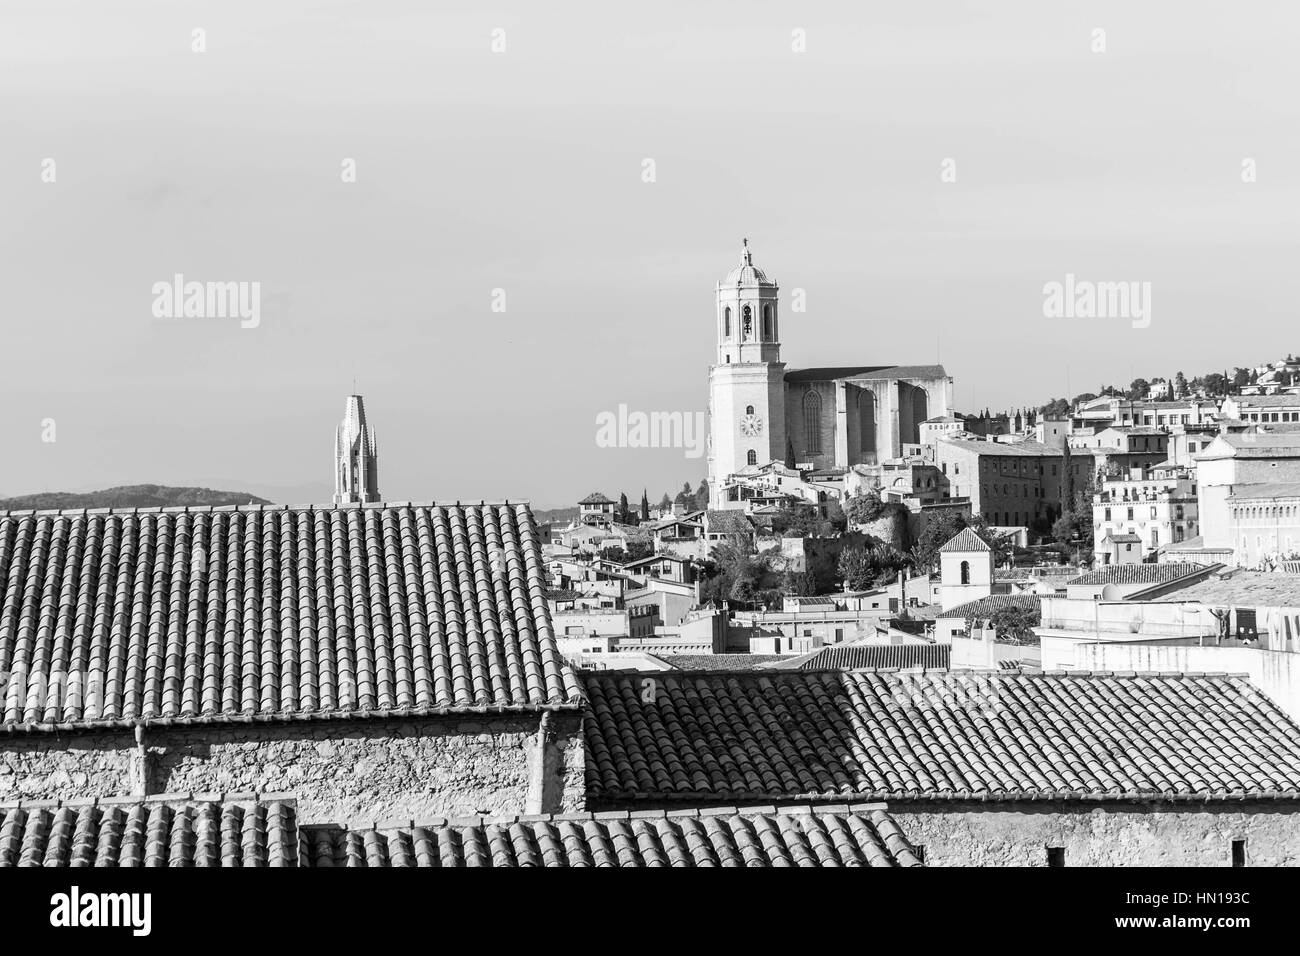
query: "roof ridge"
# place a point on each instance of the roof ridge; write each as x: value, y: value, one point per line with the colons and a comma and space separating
x: 585, y: 816
x: 197, y: 796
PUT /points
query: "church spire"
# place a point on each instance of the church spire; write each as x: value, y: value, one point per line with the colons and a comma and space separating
x: 746, y: 257
x: 356, y: 456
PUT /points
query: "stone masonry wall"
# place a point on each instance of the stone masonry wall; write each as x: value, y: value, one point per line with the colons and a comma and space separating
x: 1127, y: 835
x: 415, y: 769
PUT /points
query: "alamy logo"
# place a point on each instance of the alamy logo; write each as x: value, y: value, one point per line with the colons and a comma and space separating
x: 75, y: 909
x: 624, y: 429
x: 1084, y: 299
x: 179, y: 299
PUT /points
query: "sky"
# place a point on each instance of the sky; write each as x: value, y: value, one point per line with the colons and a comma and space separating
x: 517, y: 176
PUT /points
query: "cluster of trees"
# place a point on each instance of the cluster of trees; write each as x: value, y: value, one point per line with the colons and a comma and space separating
x: 635, y: 551
x: 863, y: 568
x: 735, y: 573
x: 1073, y: 528
x: 808, y: 522
x: 1212, y: 385
x: 1015, y: 623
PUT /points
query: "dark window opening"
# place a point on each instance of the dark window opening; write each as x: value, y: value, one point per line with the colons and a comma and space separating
x: 1238, y: 852
x: 1056, y: 856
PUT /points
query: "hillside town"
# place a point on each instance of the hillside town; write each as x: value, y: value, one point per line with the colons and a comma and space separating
x: 880, y: 632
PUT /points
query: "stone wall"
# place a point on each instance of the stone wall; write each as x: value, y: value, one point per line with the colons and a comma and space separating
x: 414, y: 769
x: 1114, y: 835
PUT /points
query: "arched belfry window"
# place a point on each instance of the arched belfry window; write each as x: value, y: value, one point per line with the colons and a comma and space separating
x: 812, y: 423
x: 747, y: 322
x: 965, y: 572
x: 751, y: 457
x: 749, y: 409
x: 767, y: 323
x: 726, y: 322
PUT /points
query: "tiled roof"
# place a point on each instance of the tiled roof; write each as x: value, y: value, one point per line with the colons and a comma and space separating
x: 204, y: 614
x: 1243, y: 589
x: 965, y: 540
x: 830, y: 374
x: 1138, y: 573
x: 862, y: 735
x: 871, y: 656
x: 244, y: 831
x: 994, y: 602
x: 237, y: 831
x: 755, y: 837
x: 596, y: 498
x: 728, y: 521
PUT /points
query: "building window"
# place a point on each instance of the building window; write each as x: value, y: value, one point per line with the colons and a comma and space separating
x: 965, y: 572
x: 751, y: 457
x: 749, y: 409
x: 1238, y: 852
x: 812, y: 422
x: 1056, y: 856
x: 767, y: 323
x: 726, y: 322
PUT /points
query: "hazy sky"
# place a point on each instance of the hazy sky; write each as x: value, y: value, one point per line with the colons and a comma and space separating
x: 522, y: 171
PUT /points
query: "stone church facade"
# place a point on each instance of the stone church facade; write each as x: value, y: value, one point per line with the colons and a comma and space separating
x: 822, y: 418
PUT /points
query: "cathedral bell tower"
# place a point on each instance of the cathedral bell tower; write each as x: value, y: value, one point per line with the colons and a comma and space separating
x: 747, y: 384
x: 356, y: 456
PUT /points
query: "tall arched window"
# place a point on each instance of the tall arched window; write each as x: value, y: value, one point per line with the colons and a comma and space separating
x: 965, y: 572
x: 867, y: 423
x: 751, y: 457
x: 747, y: 322
x: 726, y: 322
x: 749, y: 409
x: 767, y: 323
x: 812, y: 423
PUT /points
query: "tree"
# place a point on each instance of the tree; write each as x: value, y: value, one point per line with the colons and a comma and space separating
x: 1138, y: 388
x: 638, y: 549
x: 645, y: 506
x: 864, y: 508
x: 622, y: 515
x: 800, y: 583
x: 736, y: 573
x: 1240, y: 378
x: 1215, y: 384
x: 701, y: 500
x: 856, y: 569
x: 925, y: 552
x: 1057, y: 408
x: 614, y: 553
x: 665, y: 504
x: 1014, y: 623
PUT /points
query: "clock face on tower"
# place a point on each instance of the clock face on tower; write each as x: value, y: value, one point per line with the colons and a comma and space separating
x: 751, y: 425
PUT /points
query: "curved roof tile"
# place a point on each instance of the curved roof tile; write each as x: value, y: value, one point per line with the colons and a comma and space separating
x: 207, y: 614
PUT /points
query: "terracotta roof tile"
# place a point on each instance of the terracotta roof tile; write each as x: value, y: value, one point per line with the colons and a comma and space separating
x: 753, y: 837
x: 162, y: 831
x: 882, y: 735
x: 202, y: 614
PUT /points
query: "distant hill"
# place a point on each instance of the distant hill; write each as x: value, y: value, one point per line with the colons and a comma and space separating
x: 130, y: 496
